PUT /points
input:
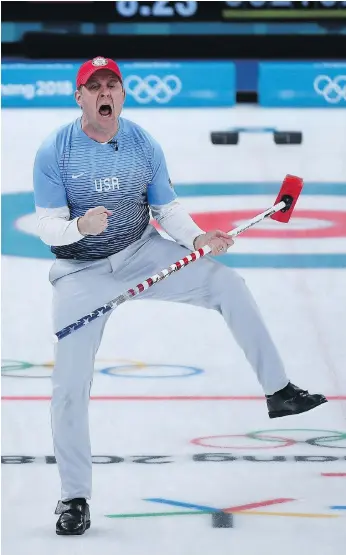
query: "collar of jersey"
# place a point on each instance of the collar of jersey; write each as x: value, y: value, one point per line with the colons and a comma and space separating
x: 89, y: 140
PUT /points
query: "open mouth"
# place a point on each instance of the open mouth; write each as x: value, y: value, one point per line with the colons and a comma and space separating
x: 105, y: 110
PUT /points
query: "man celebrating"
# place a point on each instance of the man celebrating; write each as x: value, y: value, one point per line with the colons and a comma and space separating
x: 95, y: 182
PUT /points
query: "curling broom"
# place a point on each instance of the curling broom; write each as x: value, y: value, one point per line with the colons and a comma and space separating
x: 281, y: 211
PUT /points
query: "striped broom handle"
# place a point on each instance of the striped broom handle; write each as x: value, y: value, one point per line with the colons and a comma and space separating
x: 149, y: 282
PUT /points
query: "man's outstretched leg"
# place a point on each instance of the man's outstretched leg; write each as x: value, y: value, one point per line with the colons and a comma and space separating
x: 210, y: 284
x: 234, y: 301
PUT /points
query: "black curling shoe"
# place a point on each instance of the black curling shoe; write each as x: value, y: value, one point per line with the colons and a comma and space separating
x: 292, y: 400
x: 74, y: 517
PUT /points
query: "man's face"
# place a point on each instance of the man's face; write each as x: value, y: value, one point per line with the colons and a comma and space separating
x: 101, y: 99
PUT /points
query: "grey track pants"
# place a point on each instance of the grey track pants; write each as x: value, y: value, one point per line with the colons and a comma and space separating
x: 81, y: 286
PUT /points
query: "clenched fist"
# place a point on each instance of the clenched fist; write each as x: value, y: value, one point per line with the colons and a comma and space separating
x: 94, y: 221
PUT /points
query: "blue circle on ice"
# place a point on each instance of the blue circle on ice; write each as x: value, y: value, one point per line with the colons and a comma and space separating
x: 19, y: 237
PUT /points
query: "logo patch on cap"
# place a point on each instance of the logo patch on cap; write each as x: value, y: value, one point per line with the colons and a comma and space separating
x: 99, y: 62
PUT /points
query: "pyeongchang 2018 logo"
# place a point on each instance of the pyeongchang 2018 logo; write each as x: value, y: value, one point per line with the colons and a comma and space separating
x: 231, y: 448
x: 153, y: 88
x: 333, y: 90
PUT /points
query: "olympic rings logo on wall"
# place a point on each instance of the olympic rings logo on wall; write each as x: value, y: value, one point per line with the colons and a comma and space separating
x: 332, y: 90
x: 332, y: 439
x: 153, y: 88
x: 117, y: 368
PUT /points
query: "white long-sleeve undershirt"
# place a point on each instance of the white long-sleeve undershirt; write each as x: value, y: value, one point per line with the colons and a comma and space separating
x: 177, y: 222
x: 55, y: 228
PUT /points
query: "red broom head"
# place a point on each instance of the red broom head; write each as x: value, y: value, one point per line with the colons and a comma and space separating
x: 289, y: 193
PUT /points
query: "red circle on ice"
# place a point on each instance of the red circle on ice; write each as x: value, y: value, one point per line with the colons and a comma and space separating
x: 304, y: 224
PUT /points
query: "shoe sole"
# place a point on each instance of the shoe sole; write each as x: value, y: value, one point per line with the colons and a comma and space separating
x: 279, y: 414
x: 79, y: 533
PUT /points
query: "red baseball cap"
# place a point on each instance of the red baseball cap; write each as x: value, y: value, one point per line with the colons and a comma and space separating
x: 87, y: 69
